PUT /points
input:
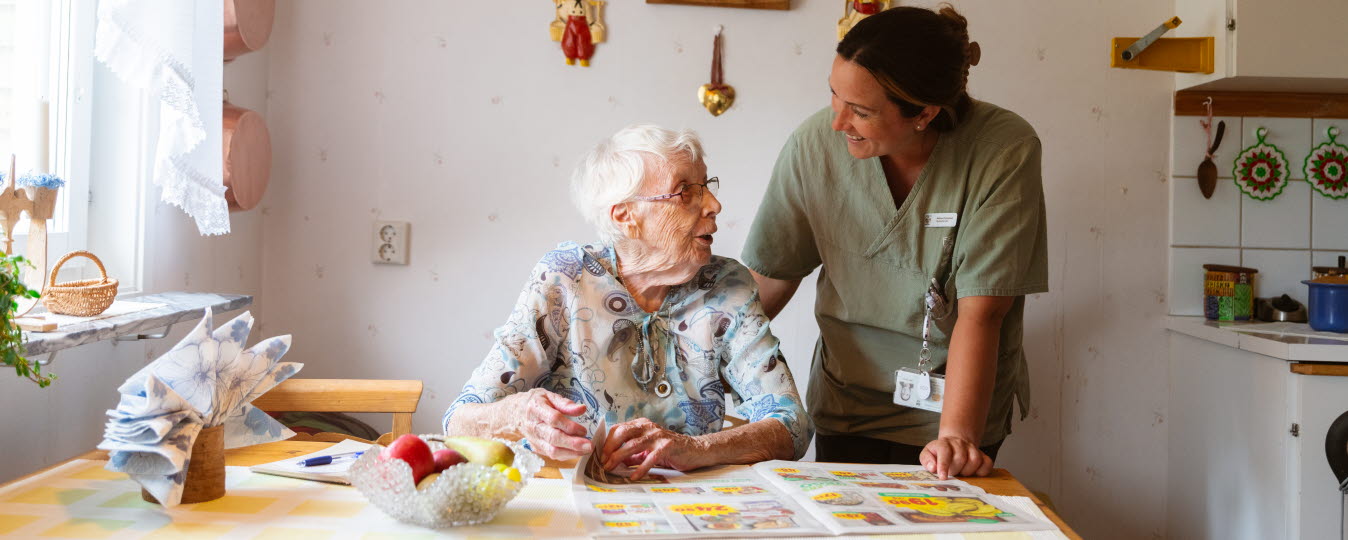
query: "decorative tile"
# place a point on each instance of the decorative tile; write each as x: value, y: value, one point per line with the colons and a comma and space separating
x: 1283, y: 222
x: 1196, y: 221
x: 1329, y: 222
x: 1189, y: 145
x: 1280, y: 272
x: 1185, y: 296
x: 1329, y: 217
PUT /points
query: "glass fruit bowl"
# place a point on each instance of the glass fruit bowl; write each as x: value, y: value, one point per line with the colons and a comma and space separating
x: 465, y: 494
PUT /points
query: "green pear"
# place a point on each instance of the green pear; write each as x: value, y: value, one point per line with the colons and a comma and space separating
x: 481, y: 451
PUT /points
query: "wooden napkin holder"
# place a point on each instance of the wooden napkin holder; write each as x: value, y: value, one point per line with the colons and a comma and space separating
x: 205, y: 469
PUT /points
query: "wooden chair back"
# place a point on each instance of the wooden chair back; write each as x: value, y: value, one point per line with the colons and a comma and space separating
x: 346, y: 396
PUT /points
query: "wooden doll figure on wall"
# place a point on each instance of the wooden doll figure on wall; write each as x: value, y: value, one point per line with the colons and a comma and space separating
x: 855, y: 10
x: 579, y: 25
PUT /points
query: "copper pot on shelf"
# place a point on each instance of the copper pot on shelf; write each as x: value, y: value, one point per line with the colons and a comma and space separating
x: 247, y: 157
x: 247, y: 25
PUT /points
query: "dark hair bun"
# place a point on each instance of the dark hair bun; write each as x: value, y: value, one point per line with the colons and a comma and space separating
x: 919, y: 56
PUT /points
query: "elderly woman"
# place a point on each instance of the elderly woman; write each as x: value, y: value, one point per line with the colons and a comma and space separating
x: 641, y: 331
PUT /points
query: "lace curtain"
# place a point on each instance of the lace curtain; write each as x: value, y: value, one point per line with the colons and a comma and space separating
x: 172, y: 50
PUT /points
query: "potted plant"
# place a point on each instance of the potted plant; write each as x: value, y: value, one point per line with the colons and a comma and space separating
x: 11, y: 338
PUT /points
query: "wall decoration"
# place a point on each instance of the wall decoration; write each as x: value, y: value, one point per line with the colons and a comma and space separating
x: 579, y: 25
x: 1327, y: 167
x: 716, y: 96
x: 1261, y: 170
x: 855, y: 10
x: 750, y: 4
x: 33, y: 194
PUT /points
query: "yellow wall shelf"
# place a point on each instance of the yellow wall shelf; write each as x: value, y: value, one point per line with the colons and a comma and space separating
x: 1185, y: 55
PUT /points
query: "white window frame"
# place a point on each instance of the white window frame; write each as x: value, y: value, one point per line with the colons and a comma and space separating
x: 64, y: 47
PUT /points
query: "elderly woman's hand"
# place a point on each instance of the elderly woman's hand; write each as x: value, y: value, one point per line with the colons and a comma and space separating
x: 643, y: 444
x: 541, y: 417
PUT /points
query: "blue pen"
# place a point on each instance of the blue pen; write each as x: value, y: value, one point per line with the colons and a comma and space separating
x: 327, y: 460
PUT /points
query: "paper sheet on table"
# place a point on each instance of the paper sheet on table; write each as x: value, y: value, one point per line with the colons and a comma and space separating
x: 334, y: 472
x: 787, y: 498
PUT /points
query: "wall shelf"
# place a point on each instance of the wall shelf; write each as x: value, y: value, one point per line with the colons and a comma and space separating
x: 178, y: 307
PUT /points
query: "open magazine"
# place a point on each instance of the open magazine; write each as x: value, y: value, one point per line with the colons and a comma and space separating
x: 787, y: 498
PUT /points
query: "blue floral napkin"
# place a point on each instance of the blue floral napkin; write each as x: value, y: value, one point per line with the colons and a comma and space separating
x: 206, y: 380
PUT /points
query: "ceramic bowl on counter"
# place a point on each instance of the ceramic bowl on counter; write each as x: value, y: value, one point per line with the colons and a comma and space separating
x: 1328, y: 304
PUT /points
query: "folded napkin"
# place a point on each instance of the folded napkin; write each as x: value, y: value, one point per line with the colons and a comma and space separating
x: 208, y: 379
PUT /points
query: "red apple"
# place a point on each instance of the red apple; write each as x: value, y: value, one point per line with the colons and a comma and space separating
x: 447, y: 458
x: 415, y: 452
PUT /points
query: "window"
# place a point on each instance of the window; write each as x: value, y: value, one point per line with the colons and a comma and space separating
x: 46, y: 55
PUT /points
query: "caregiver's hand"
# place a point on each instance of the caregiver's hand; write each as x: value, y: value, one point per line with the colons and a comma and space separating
x: 955, y: 456
x: 541, y: 417
x: 643, y: 444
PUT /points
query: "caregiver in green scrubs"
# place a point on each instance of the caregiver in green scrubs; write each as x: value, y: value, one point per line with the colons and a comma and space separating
x: 905, y: 184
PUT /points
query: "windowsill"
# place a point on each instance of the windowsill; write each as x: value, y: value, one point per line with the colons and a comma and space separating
x: 178, y: 307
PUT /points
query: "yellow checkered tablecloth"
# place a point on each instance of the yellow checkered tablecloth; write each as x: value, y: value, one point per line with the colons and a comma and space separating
x: 82, y: 500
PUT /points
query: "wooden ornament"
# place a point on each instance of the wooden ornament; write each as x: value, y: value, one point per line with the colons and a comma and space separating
x: 716, y: 96
x: 578, y: 25
x: 40, y: 205
x: 205, y: 469
x: 856, y: 10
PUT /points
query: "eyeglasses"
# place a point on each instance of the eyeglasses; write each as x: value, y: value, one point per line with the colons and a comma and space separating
x: 688, y: 193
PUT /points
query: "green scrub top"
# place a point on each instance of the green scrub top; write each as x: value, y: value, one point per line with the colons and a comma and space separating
x: 825, y: 207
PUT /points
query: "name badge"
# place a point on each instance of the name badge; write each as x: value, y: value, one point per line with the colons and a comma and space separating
x: 943, y: 219
x: 919, y: 390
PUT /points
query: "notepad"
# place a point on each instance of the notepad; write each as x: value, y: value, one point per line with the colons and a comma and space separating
x: 334, y: 473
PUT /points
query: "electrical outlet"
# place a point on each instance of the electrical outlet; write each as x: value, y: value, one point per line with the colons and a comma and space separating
x: 390, y: 242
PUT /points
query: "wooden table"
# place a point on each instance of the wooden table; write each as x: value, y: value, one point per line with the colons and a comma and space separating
x: 1000, y: 482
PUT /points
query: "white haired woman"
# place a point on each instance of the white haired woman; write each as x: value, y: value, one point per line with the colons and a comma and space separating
x: 639, y: 330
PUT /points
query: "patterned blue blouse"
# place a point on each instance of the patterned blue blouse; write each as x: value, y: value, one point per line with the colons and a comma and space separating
x: 576, y: 331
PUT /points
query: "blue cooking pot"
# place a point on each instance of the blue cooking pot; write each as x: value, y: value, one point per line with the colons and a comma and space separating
x: 1328, y: 306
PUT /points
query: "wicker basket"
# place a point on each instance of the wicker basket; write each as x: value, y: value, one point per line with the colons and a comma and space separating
x: 82, y: 298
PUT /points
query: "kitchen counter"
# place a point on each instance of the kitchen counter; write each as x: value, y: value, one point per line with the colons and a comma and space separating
x: 1238, y: 335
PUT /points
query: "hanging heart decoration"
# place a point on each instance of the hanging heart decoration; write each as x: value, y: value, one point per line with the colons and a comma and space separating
x: 1327, y: 167
x: 716, y: 96
x: 1261, y: 170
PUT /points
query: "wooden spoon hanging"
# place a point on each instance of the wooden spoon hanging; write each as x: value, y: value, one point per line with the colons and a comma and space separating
x: 1207, y: 170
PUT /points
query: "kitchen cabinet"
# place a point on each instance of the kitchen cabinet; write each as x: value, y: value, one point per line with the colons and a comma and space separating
x: 1268, y: 45
x: 1246, y: 441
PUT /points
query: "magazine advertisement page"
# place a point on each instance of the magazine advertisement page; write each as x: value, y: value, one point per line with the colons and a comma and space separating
x: 786, y: 498
x: 873, y: 499
x: 726, y: 501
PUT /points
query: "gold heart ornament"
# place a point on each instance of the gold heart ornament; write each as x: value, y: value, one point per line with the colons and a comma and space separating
x: 716, y: 97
